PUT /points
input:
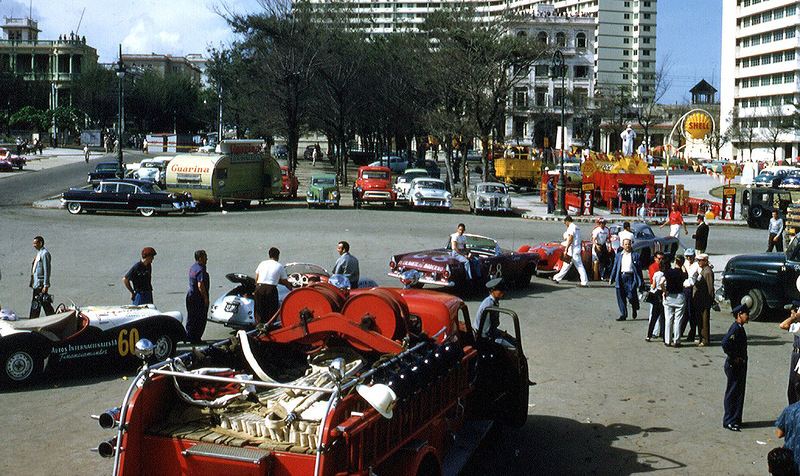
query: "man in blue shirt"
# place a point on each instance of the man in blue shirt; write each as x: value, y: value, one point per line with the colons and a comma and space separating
x: 347, y: 264
x: 138, y: 279
x: 788, y: 425
x: 197, y: 298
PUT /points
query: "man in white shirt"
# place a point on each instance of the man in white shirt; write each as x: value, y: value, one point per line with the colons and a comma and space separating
x: 625, y: 234
x: 269, y: 274
x: 775, y: 233
x: 601, y: 235
x: 572, y: 248
x: 458, y: 248
x: 627, y: 279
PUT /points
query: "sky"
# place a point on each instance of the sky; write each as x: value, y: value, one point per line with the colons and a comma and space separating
x: 688, y: 40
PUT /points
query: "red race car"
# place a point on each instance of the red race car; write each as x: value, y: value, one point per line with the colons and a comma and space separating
x: 11, y: 160
x: 550, y: 255
x: 289, y: 183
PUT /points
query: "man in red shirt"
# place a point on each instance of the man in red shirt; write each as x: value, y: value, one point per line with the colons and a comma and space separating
x: 675, y: 220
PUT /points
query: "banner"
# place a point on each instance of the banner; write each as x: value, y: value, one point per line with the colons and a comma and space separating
x: 728, y: 202
x: 587, y: 199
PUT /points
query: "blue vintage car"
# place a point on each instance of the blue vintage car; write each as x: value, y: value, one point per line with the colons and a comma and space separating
x: 82, y: 337
x: 126, y: 195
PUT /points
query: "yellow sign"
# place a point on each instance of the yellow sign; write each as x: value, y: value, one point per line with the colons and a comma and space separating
x: 698, y: 125
x: 730, y: 171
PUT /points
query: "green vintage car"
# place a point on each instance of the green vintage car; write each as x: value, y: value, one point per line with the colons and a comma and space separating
x: 323, y: 191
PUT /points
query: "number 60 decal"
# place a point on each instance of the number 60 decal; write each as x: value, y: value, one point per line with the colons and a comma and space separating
x: 127, y: 340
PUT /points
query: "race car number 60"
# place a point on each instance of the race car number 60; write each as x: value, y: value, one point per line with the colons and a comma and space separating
x: 127, y: 340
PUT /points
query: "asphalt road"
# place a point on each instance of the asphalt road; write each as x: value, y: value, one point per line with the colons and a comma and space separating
x: 606, y: 402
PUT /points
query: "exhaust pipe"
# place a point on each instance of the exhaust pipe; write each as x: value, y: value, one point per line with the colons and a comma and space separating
x: 108, y: 419
x: 108, y: 448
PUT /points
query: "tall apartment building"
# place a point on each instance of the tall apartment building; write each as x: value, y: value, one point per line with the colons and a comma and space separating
x: 535, y: 106
x: 57, y: 62
x: 760, y: 73
x: 624, y: 33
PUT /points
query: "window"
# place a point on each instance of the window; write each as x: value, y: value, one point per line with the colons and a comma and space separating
x: 788, y: 77
x: 765, y: 101
x: 777, y: 79
x: 558, y: 96
x: 765, y: 80
x: 626, y: 41
x: 755, y: 61
x: 646, y: 40
x: 626, y: 16
x: 789, y: 56
x: 625, y: 64
x: 766, y: 16
x: 777, y: 57
x: 541, y: 70
x: 746, y: 63
x: 646, y: 28
x: 521, y: 97
x: 645, y: 52
x: 581, y: 71
x: 625, y: 52
x: 777, y: 36
x: 778, y: 14
x: 519, y: 126
x: 766, y: 59
x: 755, y: 20
x: 756, y: 40
x: 542, y: 37
x: 766, y: 38
x: 746, y: 42
x: 580, y: 40
x: 521, y: 34
x: 625, y: 76
x: 561, y: 39
x: 746, y: 22
x: 790, y: 32
x: 626, y: 28
x: 753, y: 82
x: 645, y: 64
x: 541, y: 97
x: 790, y: 10
x: 646, y: 16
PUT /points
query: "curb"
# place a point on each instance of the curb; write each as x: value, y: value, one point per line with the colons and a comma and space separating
x: 593, y: 219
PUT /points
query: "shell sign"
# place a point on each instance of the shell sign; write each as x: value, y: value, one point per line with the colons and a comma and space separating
x: 698, y: 125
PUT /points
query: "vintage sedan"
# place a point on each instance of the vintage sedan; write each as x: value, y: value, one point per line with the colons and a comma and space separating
x: 14, y: 160
x: 429, y: 193
x: 403, y: 183
x: 439, y: 267
x: 289, y: 183
x: 489, y: 197
x: 104, y: 171
x: 323, y: 191
x: 645, y: 241
x: 126, y: 195
x: 83, y: 337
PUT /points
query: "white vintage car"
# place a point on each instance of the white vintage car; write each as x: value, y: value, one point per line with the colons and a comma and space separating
x: 403, y: 184
x: 429, y: 193
x: 489, y: 197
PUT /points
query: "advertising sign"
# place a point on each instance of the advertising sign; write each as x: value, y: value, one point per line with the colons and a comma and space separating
x: 698, y: 125
x: 587, y: 199
x: 728, y: 203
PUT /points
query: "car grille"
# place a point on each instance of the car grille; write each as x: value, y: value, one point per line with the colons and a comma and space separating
x: 377, y: 195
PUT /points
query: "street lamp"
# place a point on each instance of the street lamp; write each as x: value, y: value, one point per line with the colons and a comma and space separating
x: 558, y: 69
x: 121, y: 119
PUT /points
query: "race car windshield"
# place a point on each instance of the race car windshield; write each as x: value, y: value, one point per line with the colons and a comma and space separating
x: 480, y: 243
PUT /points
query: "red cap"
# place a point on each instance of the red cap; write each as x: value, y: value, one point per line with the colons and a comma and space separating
x: 148, y: 251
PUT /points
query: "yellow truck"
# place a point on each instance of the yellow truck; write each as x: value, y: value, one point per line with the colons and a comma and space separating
x: 518, y: 171
x: 236, y: 173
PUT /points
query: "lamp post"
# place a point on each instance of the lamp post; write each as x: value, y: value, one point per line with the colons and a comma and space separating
x: 558, y: 69
x: 121, y: 119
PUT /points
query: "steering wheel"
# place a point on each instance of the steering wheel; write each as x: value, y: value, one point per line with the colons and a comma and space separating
x: 61, y: 308
x: 298, y: 280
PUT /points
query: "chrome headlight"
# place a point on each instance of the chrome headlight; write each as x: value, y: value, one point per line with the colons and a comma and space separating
x: 335, y: 194
x: 447, y: 196
x: 309, y: 194
x: 418, y: 195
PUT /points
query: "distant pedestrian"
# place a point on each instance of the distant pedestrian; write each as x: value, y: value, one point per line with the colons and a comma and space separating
x: 780, y: 462
x: 775, y: 230
x: 701, y: 235
x: 40, y: 280
x: 138, y: 279
x: 551, y: 195
x: 788, y: 428
x: 625, y: 234
x: 269, y: 274
x: 571, y: 255
x: 626, y: 275
x: 601, y: 259
x: 86, y: 153
x: 792, y: 324
x: 735, y: 346
x: 675, y: 221
x: 347, y: 264
x: 703, y: 299
x: 314, y: 155
x: 197, y: 300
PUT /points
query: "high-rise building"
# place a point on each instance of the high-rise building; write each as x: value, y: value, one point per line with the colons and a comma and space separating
x: 760, y: 72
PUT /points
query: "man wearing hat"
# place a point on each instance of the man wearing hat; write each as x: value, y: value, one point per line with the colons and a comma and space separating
x: 138, y: 279
x: 792, y: 324
x: 703, y: 298
x: 497, y: 291
x: 601, y: 236
x: 734, y: 344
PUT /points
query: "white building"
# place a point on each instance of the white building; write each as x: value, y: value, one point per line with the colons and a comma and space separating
x: 624, y: 33
x: 760, y: 69
x: 535, y: 104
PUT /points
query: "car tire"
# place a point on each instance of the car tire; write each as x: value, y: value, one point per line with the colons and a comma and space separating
x: 74, y: 207
x: 147, y: 212
x: 164, y: 347
x: 20, y: 366
x: 756, y: 302
x: 756, y: 212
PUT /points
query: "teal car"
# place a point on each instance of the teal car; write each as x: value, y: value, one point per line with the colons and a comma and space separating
x: 323, y: 191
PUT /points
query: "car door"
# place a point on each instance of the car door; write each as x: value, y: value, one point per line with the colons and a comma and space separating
x: 105, y: 196
x: 501, y: 372
x: 127, y: 197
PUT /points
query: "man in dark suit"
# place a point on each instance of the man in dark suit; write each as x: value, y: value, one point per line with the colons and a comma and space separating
x: 626, y: 276
x: 701, y: 235
x: 735, y: 346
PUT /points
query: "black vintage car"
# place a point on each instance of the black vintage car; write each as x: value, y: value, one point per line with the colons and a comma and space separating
x: 126, y: 195
x: 763, y: 281
x: 103, y: 171
x: 758, y: 203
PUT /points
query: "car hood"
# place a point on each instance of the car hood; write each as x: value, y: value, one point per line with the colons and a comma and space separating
x: 373, y: 184
x: 492, y: 194
x: 755, y: 263
x: 431, y: 192
x: 327, y: 189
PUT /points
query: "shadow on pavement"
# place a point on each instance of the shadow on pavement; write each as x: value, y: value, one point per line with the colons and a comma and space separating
x: 554, y: 445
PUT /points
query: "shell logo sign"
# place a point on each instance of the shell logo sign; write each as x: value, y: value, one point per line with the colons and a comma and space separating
x: 698, y: 125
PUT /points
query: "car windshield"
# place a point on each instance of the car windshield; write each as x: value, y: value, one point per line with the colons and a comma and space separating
x: 481, y: 243
x: 492, y: 189
x: 430, y: 184
x: 107, y: 166
x: 305, y: 268
x: 323, y: 181
x: 375, y: 174
x: 644, y: 233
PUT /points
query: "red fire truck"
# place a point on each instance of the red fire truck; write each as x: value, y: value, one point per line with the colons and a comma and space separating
x: 374, y: 381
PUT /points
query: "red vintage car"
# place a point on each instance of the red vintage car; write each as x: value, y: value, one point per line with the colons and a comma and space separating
x: 550, y: 255
x: 289, y: 183
x: 439, y: 267
x: 8, y: 160
x: 373, y: 185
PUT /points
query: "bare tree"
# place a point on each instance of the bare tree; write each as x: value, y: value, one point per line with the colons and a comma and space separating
x: 646, y: 101
x: 742, y: 131
x: 774, y: 125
